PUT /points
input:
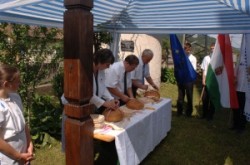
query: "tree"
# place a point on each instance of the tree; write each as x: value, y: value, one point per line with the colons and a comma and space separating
x: 36, y: 51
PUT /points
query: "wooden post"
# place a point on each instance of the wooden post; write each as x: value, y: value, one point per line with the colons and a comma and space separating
x: 78, y: 80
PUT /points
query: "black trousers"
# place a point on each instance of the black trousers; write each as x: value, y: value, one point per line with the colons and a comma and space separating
x: 106, y: 152
x: 134, y: 90
x: 239, y: 119
x: 185, y: 89
x: 207, y: 105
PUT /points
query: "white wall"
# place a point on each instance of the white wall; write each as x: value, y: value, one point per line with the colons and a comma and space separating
x: 143, y: 41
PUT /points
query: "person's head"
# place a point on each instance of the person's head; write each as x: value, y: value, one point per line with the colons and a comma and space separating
x: 9, y: 78
x: 103, y: 58
x: 147, y: 56
x: 212, y: 48
x: 131, y: 62
x: 187, y: 48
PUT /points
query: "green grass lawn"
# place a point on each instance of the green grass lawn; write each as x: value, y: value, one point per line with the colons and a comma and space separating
x: 191, y: 141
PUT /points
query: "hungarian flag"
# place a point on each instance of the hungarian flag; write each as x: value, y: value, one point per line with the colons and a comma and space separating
x: 183, y: 69
x: 220, y: 75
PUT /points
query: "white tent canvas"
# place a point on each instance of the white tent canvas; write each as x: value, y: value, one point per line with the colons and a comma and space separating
x: 140, y: 16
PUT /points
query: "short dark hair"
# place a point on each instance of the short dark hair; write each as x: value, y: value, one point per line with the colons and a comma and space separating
x: 104, y: 56
x: 188, y: 44
x: 132, y: 59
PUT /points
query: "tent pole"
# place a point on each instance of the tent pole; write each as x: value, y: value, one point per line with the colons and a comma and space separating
x: 115, y: 44
x: 78, y: 81
x: 183, y: 40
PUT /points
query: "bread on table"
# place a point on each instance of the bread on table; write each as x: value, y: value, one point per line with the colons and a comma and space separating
x: 152, y: 94
x: 111, y: 115
x: 135, y: 104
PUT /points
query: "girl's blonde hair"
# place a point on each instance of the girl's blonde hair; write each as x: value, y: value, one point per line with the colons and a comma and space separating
x: 8, y: 73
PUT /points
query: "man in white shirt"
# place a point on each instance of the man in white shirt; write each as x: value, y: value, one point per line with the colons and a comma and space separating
x: 118, y: 78
x: 207, y: 105
x: 242, y: 83
x: 186, y: 88
x: 142, y: 72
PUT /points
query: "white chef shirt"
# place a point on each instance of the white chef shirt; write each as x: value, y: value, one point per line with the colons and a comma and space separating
x: 115, y: 77
x: 137, y: 73
x: 103, y: 92
x: 205, y: 63
x: 193, y: 60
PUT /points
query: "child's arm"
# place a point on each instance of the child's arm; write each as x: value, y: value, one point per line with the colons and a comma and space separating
x: 6, y: 149
x: 29, y: 141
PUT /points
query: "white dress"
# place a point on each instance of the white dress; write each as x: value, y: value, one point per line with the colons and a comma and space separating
x: 12, y: 126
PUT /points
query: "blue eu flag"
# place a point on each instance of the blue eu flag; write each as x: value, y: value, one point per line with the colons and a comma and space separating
x: 183, y: 69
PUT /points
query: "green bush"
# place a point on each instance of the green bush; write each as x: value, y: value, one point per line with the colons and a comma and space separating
x: 57, y: 85
x: 167, y: 75
x: 45, y: 120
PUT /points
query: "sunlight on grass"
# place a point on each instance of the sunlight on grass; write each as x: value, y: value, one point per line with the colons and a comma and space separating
x: 49, y: 155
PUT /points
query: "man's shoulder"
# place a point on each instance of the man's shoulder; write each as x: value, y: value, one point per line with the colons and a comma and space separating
x: 191, y: 56
x: 116, y: 64
x: 207, y: 57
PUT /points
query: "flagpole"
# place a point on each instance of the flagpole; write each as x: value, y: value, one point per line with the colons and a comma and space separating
x: 183, y: 39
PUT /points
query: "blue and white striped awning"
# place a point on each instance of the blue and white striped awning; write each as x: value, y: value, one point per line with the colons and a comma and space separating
x: 140, y: 16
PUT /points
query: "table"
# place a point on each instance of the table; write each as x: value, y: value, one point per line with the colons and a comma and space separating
x: 141, y: 133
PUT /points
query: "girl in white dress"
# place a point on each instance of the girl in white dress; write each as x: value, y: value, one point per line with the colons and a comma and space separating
x: 16, y: 147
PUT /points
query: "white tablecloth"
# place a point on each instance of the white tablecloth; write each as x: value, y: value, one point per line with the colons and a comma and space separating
x: 143, y: 132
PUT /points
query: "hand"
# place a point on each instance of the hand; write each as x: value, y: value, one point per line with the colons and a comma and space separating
x: 112, y: 104
x: 30, y: 148
x: 144, y: 87
x: 25, y: 158
x: 203, y: 82
x: 117, y: 102
x: 125, y: 98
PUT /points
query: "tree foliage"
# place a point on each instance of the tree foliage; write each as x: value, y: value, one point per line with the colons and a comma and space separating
x: 37, y: 53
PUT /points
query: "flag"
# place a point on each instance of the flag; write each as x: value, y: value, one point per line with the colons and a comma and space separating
x: 220, y: 75
x: 183, y: 69
x: 244, y: 59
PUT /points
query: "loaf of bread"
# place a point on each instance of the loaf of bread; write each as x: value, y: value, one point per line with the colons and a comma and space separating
x: 152, y: 94
x: 111, y: 115
x: 135, y: 104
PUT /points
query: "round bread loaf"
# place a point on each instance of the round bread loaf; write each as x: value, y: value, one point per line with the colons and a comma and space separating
x: 113, y: 115
x: 155, y: 95
x: 134, y: 104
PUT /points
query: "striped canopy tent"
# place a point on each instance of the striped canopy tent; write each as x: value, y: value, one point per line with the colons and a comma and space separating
x: 140, y: 16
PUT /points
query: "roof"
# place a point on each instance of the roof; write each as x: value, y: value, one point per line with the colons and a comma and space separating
x: 140, y: 16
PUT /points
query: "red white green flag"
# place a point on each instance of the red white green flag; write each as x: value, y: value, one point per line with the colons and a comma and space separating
x: 220, y: 75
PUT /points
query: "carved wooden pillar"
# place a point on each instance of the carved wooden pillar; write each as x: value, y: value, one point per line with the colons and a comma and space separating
x: 78, y: 78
